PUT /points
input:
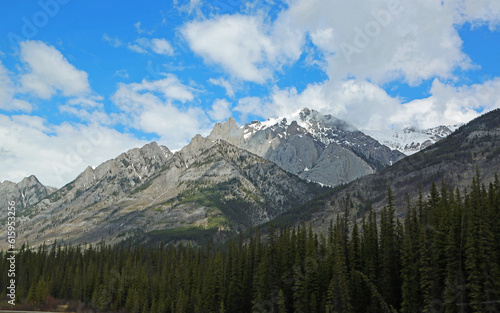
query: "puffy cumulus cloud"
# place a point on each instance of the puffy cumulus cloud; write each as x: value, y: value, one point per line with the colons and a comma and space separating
x: 7, y: 93
x: 477, y: 12
x: 175, y: 126
x: 361, y: 46
x: 156, y: 45
x: 449, y: 105
x: 369, y: 108
x: 243, y: 45
x: 224, y: 84
x: 375, y: 40
x: 48, y: 72
x: 358, y: 102
x: 220, y: 110
x: 153, y: 107
x: 56, y: 154
x: 381, y: 40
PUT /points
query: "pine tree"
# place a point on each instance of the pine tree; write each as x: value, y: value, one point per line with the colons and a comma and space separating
x: 410, y: 263
x: 389, y: 260
x: 338, y: 292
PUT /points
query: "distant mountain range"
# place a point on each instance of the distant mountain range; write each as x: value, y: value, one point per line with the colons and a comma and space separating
x: 455, y: 160
x: 411, y: 140
x: 243, y: 176
x: 206, y: 186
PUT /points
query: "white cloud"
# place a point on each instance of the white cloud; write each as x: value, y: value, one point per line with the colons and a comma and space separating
x: 56, y: 154
x: 375, y: 40
x: 477, y: 12
x: 221, y: 110
x: 156, y: 45
x: 358, y: 102
x: 140, y: 30
x: 224, y: 84
x: 113, y: 41
x: 161, y: 46
x: 48, y: 71
x: 153, y: 107
x: 368, y: 107
x: 138, y: 27
x: 362, y: 46
x: 242, y: 45
x: 193, y: 5
x: 449, y: 105
x: 254, y: 106
x: 7, y: 92
x: 170, y: 87
x: 136, y: 48
x: 382, y: 40
x: 90, y: 110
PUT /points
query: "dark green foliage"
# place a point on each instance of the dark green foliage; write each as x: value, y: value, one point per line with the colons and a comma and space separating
x: 444, y: 257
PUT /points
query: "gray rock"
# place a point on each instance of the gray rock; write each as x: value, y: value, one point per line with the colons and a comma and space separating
x: 27, y: 192
x: 300, y: 145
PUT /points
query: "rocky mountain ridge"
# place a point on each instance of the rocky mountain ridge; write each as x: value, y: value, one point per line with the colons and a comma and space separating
x: 455, y: 161
x: 235, y: 178
x: 25, y: 193
x: 149, y: 192
x: 410, y: 140
x: 316, y: 147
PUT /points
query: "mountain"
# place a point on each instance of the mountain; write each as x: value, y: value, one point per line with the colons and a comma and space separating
x: 242, y: 176
x: 151, y: 194
x: 316, y: 147
x: 25, y: 193
x: 454, y: 160
x: 411, y: 140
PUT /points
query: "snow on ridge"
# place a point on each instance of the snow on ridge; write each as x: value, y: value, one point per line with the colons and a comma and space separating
x: 410, y: 139
x: 313, y: 122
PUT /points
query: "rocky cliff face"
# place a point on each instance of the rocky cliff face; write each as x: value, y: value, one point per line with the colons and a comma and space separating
x: 236, y: 178
x: 25, y: 193
x: 315, y: 147
x: 206, y: 185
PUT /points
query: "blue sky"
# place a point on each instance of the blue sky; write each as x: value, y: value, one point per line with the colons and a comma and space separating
x: 83, y: 81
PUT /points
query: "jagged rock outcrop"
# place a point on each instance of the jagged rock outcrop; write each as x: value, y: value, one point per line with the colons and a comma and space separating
x: 25, y: 193
x: 209, y: 184
x: 315, y: 147
x: 108, y: 182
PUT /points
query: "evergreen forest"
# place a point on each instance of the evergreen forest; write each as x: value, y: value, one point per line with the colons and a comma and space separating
x: 440, y: 253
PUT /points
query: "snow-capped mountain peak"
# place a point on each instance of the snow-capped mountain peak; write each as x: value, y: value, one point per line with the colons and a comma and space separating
x: 321, y: 148
x: 410, y: 140
x: 324, y: 128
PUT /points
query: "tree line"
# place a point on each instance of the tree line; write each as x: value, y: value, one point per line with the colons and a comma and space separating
x: 443, y: 256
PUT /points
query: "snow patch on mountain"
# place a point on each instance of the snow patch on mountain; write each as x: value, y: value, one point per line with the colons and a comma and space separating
x: 324, y: 128
x: 410, y: 140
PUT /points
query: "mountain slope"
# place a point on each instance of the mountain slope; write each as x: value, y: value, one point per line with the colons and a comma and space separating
x: 453, y: 160
x: 150, y: 192
x: 315, y: 147
x: 25, y: 193
x: 411, y: 140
